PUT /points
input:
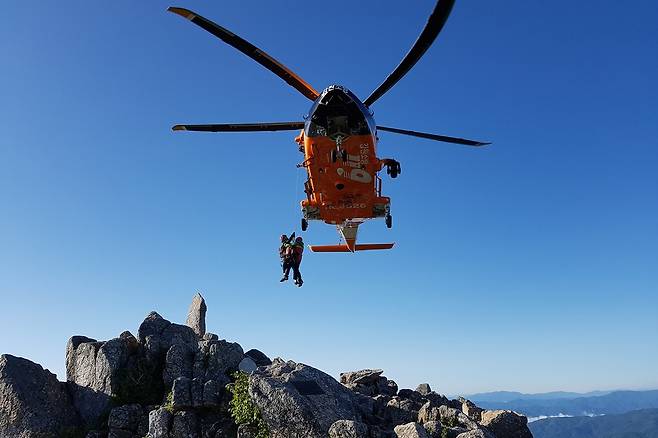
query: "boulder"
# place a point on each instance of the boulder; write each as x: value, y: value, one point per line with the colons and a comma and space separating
x: 433, y: 428
x: 428, y: 412
x: 411, y: 430
x: 506, y: 424
x: 196, y: 316
x: 211, y: 393
x: 197, y: 392
x: 157, y: 335
x: 259, y: 357
x: 179, y: 362
x: 216, y: 360
x: 363, y: 377
x: 401, y: 411
x: 472, y: 411
x: 210, y: 337
x: 185, y: 425
x: 152, y: 325
x: 296, y: 400
x: 247, y: 365
x: 348, y: 429
x: 177, y: 334
x: 34, y: 403
x: 387, y: 387
x: 478, y: 433
x: 411, y: 395
x: 72, y: 344
x: 436, y: 399
x: 424, y: 388
x: 159, y: 423
x: 181, y: 392
x: 98, y: 371
x: 126, y: 417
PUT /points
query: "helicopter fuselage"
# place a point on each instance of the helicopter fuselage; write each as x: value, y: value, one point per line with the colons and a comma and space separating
x: 339, y: 144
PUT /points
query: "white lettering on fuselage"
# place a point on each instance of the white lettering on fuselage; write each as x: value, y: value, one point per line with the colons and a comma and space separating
x: 358, y: 164
x: 343, y: 206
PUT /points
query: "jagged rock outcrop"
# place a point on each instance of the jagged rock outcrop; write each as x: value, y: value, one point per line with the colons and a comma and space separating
x: 196, y: 316
x: 411, y: 430
x: 299, y: 401
x: 477, y: 433
x: 171, y: 382
x: 469, y: 409
x: 348, y: 429
x: 99, y: 372
x: 128, y: 420
x: 259, y: 357
x: 423, y: 389
x: 159, y: 423
x: 423, y: 412
x: 33, y: 403
x: 506, y: 424
x: 369, y: 382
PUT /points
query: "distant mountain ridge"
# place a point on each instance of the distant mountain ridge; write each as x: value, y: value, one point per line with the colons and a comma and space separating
x: 635, y: 424
x: 617, y: 402
x: 508, y: 396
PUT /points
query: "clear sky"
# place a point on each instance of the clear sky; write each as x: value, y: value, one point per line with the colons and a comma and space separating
x: 530, y: 265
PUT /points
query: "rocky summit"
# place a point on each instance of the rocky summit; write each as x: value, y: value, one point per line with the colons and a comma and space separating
x: 179, y: 381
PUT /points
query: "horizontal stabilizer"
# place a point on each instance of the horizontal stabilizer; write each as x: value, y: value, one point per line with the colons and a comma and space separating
x: 345, y: 248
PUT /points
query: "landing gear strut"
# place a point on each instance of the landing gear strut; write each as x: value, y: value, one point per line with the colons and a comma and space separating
x: 389, y: 221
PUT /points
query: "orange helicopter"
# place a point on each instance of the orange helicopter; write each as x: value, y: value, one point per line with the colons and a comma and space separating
x: 338, y: 138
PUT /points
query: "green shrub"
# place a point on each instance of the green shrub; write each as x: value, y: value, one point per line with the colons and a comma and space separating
x: 242, y: 408
x: 444, y: 433
x: 449, y: 422
x: 169, y: 405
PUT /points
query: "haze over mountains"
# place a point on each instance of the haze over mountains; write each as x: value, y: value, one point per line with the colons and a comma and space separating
x: 507, y: 396
x: 550, y: 404
x: 635, y: 424
x: 597, y: 414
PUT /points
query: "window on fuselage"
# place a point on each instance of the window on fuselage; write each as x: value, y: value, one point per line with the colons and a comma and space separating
x: 336, y: 119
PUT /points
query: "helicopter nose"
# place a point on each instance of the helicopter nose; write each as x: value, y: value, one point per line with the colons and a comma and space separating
x: 337, y: 95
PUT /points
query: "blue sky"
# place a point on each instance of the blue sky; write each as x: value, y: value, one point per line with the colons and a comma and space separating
x: 529, y: 265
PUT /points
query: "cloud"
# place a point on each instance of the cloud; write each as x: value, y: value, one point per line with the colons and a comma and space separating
x: 543, y: 417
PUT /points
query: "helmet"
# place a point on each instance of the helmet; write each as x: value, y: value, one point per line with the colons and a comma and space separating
x: 284, y: 237
x: 299, y: 239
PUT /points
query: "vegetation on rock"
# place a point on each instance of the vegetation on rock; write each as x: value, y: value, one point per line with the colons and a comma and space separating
x: 242, y: 408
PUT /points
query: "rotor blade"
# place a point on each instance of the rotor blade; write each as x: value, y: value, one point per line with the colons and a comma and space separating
x: 433, y: 136
x: 427, y: 36
x: 242, y: 127
x: 250, y: 50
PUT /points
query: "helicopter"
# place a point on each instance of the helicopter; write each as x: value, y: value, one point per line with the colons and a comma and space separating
x: 338, y: 138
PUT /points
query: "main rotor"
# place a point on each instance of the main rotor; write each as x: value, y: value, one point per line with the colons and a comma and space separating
x: 433, y: 27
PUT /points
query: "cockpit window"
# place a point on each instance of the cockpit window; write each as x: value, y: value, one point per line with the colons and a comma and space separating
x: 336, y: 115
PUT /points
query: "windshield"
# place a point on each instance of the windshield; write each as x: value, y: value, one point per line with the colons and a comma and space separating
x: 337, y: 114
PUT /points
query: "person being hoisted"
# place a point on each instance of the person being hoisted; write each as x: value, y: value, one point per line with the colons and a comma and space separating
x: 291, y: 257
x: 297, y: 254
x: 285, y: 255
